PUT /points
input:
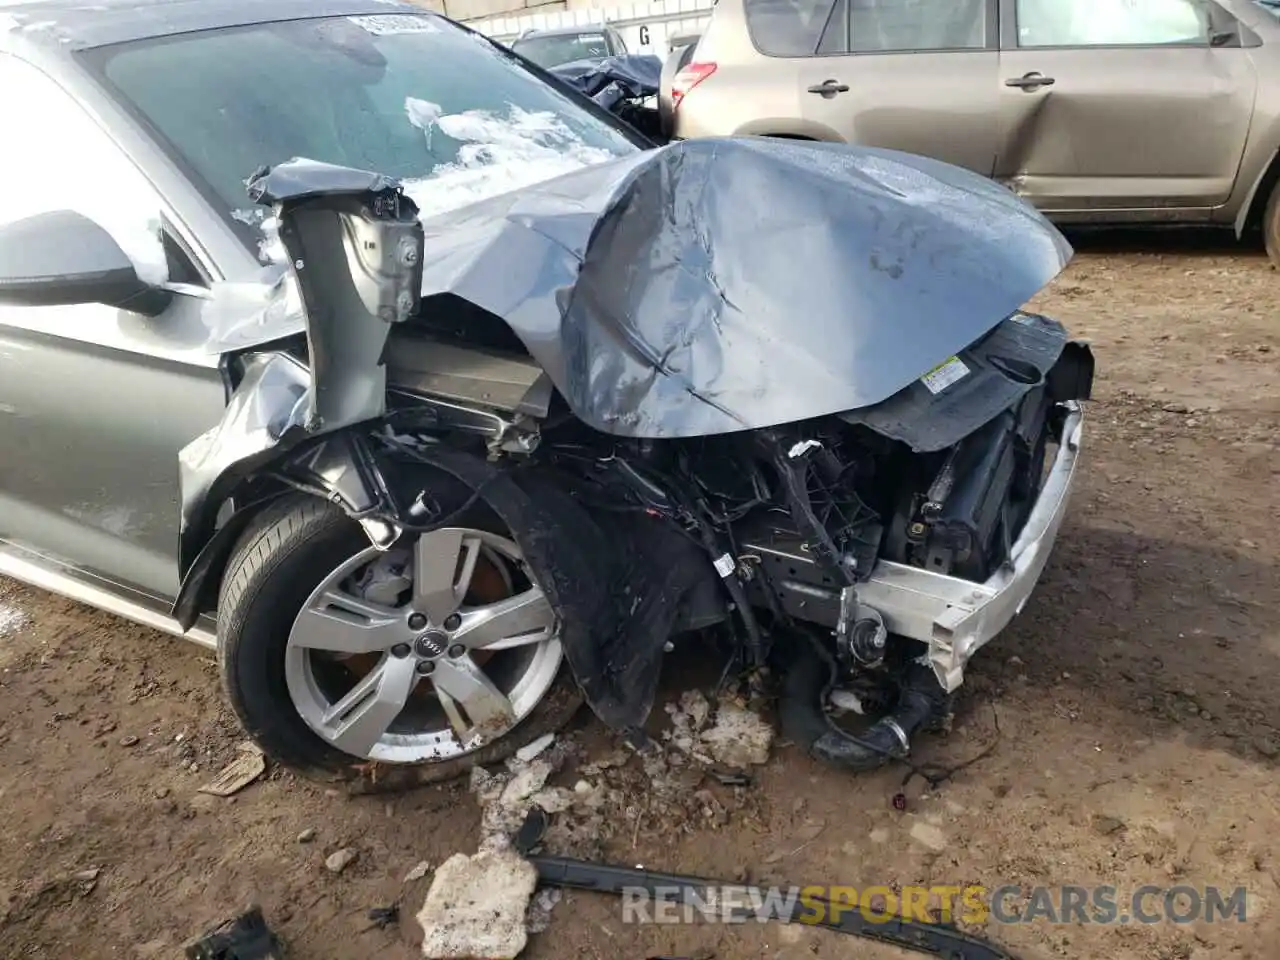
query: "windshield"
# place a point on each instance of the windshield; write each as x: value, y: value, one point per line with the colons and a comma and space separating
x: 410, y: 96
x: 564, y: 48
x: 1271, y: 6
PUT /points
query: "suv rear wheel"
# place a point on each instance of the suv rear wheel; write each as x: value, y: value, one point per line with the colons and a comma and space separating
x: 1271, y: 225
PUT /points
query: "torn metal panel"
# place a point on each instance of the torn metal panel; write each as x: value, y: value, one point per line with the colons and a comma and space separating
x: 355, y: 249
x: 240, y: 316
x: 267, y: 408
x: 654, y: 301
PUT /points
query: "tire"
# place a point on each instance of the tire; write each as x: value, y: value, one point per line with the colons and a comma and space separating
x: 286, y: 553
x: 1271, y: 226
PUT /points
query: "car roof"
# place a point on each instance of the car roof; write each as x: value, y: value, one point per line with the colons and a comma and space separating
x: 84, y: 24
x: 563, y: 31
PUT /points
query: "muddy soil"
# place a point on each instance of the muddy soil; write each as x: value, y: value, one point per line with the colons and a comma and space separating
x: 1137, y: 704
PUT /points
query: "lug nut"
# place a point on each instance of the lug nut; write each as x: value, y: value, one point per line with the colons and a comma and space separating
x: 401, y: 650
x: 426, y: 667
x: 457, y: 650
x: 452, y: 622
x: 417, y: 621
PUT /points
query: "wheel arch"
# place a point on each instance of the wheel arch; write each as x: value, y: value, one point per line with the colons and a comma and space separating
x: 198, y: 592
x: 788, y: 128
x: 1251, y: 211
x: 341, y: 468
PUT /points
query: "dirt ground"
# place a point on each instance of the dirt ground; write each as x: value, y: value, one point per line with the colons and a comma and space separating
x: 1137, y: 698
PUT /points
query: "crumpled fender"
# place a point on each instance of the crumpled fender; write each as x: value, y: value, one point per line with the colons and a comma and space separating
x: 355, y: 254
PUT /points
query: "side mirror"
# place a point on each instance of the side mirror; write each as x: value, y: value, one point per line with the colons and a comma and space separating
x: 63, y: 258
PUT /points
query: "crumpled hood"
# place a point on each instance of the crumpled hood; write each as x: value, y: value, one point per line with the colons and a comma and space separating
x: 709, y: 285
x: 716, y: 285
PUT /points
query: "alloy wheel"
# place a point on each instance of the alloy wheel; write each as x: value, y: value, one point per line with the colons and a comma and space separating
x: 423, y: 653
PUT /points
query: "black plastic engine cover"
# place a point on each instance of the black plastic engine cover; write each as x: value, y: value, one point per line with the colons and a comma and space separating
x: 994, y: 374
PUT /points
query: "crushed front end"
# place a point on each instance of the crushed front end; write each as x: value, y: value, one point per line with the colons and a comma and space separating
x: 853, y: 467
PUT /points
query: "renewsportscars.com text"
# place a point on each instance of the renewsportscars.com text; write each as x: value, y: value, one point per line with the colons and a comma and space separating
x: 969, y: 904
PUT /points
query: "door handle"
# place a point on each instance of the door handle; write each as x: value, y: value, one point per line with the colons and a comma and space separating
x: 829, y: 88
x: 1030, y: 81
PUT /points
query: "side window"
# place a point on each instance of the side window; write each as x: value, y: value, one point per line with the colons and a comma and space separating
x: 799, y: 28
x: 835, y: 38
x: 56, y: 157
x: 787, y: 28
x: 1086, y: 23
x: 890, y: 26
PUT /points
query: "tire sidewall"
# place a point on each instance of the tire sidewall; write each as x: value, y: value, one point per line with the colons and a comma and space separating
x: 1271, y: 226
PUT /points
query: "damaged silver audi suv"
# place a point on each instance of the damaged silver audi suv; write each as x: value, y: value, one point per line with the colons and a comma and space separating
x: 438, y: 401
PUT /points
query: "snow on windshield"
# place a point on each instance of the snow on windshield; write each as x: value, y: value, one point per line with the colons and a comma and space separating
x: 500, y: 153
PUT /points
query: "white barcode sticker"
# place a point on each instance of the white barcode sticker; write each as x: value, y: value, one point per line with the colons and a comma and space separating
x: 724, y: 565
x: 385, y: 25
x: 944, y: 375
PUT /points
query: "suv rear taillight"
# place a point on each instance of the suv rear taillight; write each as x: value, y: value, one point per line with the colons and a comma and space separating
x: 689, y: 77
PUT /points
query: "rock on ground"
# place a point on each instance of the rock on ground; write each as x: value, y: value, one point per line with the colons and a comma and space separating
x: 928, y: 835
x: 339, y: 860
x: 477, y: 907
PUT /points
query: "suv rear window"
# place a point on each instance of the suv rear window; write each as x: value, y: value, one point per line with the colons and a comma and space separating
x: 787, y: 28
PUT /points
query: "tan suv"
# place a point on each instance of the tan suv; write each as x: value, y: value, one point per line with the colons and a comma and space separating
x: 1096, y: 111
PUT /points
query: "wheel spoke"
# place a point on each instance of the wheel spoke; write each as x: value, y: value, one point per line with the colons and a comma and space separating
x: 357, y: 721
x: 460, y: 683
x: 341, y: 623
x: 456, y: 719
x: 443, y: 563
x: 523, y: 619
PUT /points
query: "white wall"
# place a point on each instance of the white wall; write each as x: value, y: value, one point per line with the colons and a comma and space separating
x: 645, y: 26
x: 475, y: 9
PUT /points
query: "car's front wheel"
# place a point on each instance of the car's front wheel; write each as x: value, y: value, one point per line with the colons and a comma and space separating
x: 404, y: 666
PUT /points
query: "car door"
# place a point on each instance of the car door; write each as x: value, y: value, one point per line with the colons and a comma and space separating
x: 95, y: 402
x: 912, y: 75
x: 1115, y: 105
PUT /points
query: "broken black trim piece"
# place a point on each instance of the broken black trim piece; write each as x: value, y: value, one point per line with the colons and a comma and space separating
x: 974, y: 386
x: 937, y: 940
x: 812, y: 674
x: 246, y: 937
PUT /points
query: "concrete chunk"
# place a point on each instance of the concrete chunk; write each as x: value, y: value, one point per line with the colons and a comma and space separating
x: 477, y: 907
x: 739, y: 737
